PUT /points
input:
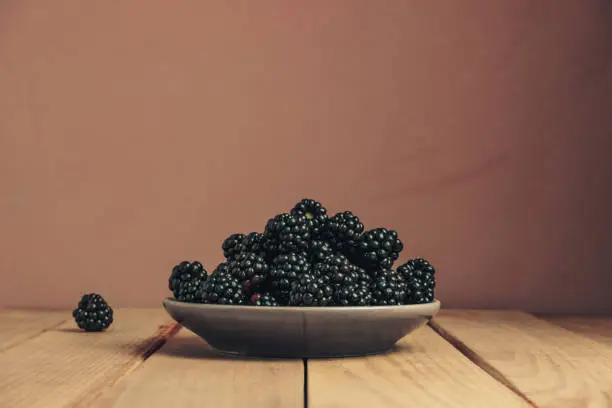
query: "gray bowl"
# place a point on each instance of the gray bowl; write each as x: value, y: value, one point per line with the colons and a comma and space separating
x: 301, y: 332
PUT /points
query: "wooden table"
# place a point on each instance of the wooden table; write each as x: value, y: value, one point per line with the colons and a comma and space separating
x: 463, y: 359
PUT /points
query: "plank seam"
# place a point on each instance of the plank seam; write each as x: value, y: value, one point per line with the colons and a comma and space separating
x: 305, y: 361
x: 479, y: 361
x: 148, y: 348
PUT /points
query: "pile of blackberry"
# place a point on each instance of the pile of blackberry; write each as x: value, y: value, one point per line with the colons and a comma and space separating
x: 304, y: 257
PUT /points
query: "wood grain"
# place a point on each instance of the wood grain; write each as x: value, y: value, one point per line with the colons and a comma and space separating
x: 551, y: 366
x: 595, y: 327
x: 17, y: 326
x: 424, y: 371
x: 64, y: 366
x: 186, y: 372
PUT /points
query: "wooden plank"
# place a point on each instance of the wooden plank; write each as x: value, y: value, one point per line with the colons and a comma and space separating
x: 186, y: 372
x: 64, y: 366
x: 424, y: 371
x: 17, y: 326
x: 595, y: 327
x: 551, y: 366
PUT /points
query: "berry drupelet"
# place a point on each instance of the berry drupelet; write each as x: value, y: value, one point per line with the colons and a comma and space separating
x: 342, y: 230
x: 223, y: 288
x: 388, y: 288
x: 311, y: 290
x: 93, y: 314
x: 315, y: 213
x: 186, y: 280
x: 378, y: 248
x: 419, y: 276
x: 285, y: 271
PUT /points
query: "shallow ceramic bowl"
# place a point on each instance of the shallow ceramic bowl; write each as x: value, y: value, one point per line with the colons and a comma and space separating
x: 301, y: 332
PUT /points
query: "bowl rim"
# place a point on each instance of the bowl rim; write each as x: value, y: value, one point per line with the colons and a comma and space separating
x: 417, y: 308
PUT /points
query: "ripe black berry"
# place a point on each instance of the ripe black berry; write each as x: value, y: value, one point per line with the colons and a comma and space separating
x: 311, y: 291
x: 223, y: 288
x: 185, y: 281
x: 378, y: 248
x: 286, y: 233
x: 357, y: 294
x: 93, y: 314
x: 237, y: 244
x: 342, y: 230
x: 285, y: 271
x: 419, y: 276
x: 319, y: 250
x: 388, y: 288
x: 315, y: 213
x: 336, y: 270
x: 250, y: 269
x: 233, y: 245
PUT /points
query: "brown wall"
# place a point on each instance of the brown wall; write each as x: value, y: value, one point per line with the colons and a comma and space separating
x: 136, y: 134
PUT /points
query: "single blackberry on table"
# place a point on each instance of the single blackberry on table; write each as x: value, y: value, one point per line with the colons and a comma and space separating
x: 311, y: 290
x: 388, y: 288
x: 250, y: 269
x: 357, y: 294
x: 314, y: 212
x: 342, y: 230
x: 265, y: 299
x: 337, y: 270
x: 93, y: 314
x: 378, y: 248
x: 419, y: 276
x: 185, y: 281
x: 319, y: 250
x: 286, y: 233
x: 223, y: 288
x: 285, y: 271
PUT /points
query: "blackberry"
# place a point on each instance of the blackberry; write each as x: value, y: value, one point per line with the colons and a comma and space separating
x: 264, y: 299
x: 314, y: 212
x: 237, y: 244
x: 286, y: 233
x: 233, y: 245
x: 342, y: 230
x: 223, y: 288
x: 319, y: 250
x: 337, y: 270
x: 358, y: 294
x: 253, y: 243
x: 311, y: 291
x: 378, y: 248
x: 419, y: 276
x: 388, y: 288
x: 250, y: 269
x: 93, y: 314
x: 362, y: 276
x: 185, y: 281
x: 285, y: 271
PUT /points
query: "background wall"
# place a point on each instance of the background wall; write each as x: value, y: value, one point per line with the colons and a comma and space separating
x: 137, y: 134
